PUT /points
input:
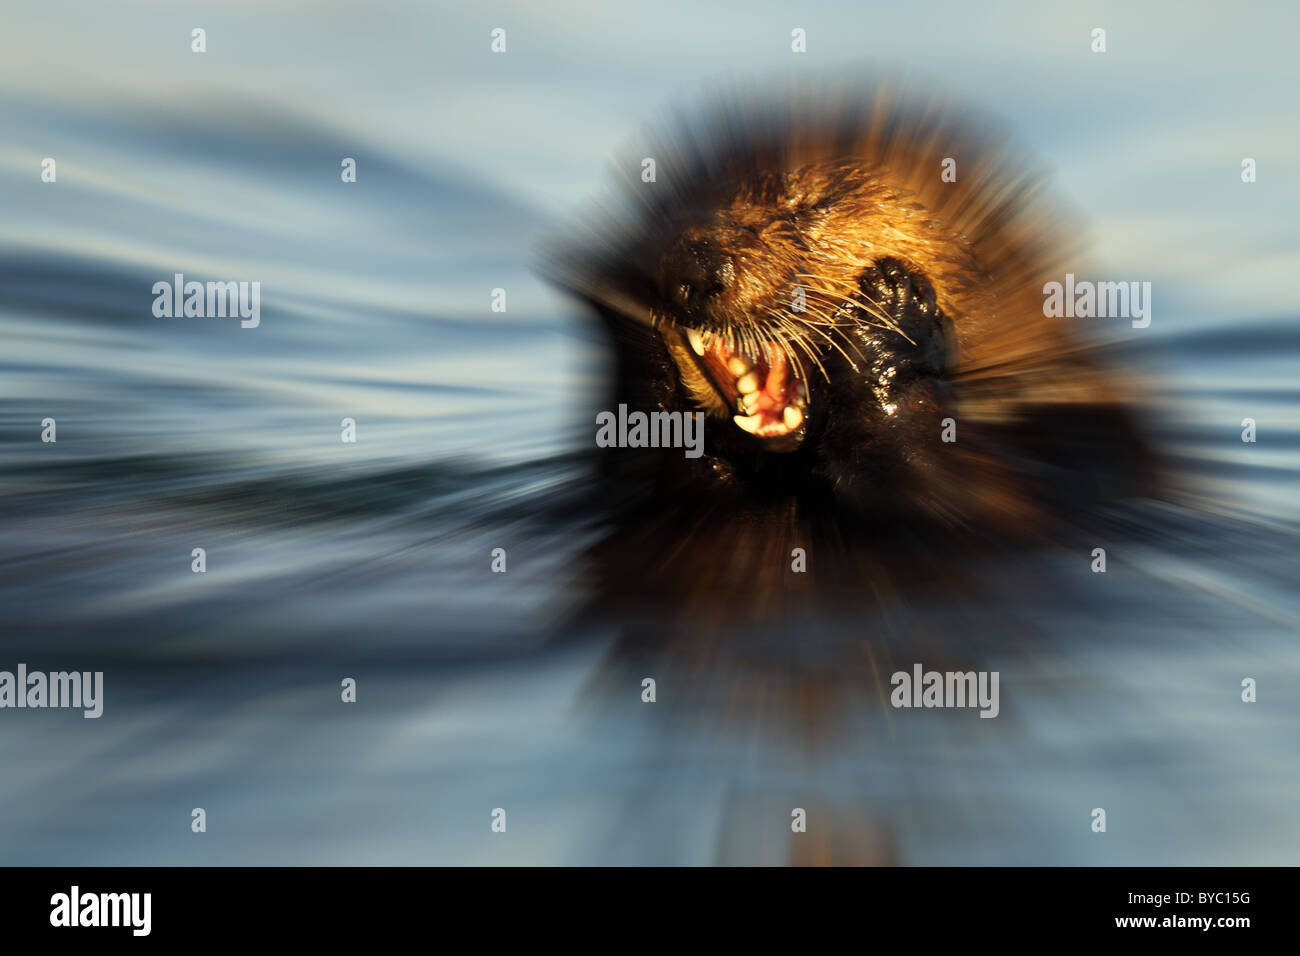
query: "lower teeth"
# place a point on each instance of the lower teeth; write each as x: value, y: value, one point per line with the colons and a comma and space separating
x: 791, y: 419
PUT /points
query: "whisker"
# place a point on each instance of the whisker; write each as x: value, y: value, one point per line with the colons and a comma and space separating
x: 795, y: 333
x: 869, y: 309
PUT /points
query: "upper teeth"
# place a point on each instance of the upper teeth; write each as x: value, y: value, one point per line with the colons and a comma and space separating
x: 751, y: 393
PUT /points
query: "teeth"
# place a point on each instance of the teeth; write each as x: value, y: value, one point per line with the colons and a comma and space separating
x: 697, y: 341
x: 738, y: 366
x: 749, y: 424
x: 749, y: 402
x: 793, y: 417
x: 748, y: 384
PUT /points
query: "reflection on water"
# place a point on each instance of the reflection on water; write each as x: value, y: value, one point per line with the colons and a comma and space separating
x: 328, y: 560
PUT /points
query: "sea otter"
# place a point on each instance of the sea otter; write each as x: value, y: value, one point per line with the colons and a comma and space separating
x: 894, y: 432
x: 851, y: 290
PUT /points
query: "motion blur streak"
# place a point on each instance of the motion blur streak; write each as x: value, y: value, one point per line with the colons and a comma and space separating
x: 477, y: 690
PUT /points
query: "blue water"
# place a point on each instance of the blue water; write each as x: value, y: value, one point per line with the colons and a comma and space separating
x: 370, y: 560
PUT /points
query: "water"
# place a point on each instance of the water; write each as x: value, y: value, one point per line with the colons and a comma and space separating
x: 476, y: 691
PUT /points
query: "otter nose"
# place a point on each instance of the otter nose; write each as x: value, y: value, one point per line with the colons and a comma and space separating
x: 696, y: 270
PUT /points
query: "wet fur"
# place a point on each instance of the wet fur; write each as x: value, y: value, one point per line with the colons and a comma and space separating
x: 912, y: 547
x: 843, y: 197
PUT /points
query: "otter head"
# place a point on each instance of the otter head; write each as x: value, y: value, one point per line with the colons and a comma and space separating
x: 794, y: 308
x: 833, y: 305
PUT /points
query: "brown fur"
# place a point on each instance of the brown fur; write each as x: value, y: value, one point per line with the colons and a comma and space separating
x: 809, y: 193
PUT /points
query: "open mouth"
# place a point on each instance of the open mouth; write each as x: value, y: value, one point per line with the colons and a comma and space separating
x: 757, y: 380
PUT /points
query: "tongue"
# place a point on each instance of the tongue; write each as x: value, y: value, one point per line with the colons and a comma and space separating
x: 777, y: 373
x: 767, y: 404
x: 771, y: 397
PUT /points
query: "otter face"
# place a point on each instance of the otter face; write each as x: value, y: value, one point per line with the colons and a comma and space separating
x: 761, y: 339
x: 794, y: 309
x: 791, y: 322
x: 803, y: 275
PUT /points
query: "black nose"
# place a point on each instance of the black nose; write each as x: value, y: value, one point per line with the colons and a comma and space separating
x: 695, y: 270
